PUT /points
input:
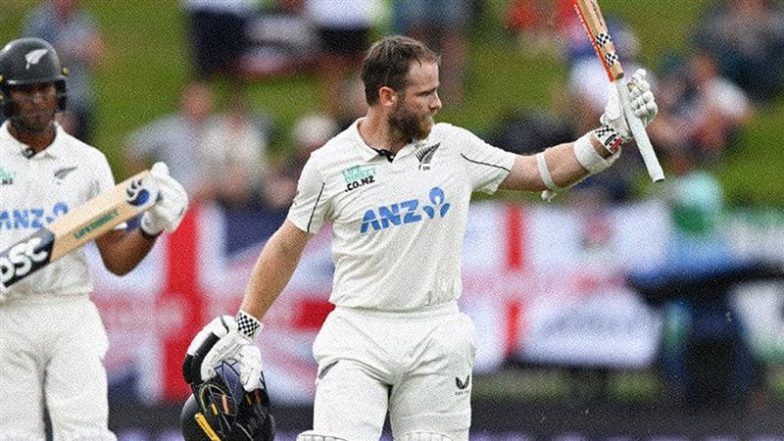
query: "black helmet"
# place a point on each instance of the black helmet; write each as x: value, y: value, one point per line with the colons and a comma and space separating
x: 30, y: 61
x: 221, y: 410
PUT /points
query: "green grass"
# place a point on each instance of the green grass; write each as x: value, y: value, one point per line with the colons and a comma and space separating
x: 147, y: 61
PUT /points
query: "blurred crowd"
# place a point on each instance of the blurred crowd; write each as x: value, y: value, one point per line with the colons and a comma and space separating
x: 707, y: 94
x: 217, y: 139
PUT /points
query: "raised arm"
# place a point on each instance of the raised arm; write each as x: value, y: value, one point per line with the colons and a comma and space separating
x: 559, y: 167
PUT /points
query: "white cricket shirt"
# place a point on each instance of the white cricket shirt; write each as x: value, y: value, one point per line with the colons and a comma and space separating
x: 35, y: 191
x: 397, y: 226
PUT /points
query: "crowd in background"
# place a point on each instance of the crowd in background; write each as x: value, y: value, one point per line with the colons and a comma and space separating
x: 706, y: 96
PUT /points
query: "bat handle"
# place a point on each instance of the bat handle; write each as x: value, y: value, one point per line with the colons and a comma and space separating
x: 640, y: 136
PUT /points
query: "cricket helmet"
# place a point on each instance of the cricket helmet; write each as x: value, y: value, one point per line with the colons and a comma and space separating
x: 27, y: 61
x: 221, y: 410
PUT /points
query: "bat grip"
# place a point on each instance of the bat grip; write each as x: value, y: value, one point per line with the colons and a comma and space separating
x: 640, y: 136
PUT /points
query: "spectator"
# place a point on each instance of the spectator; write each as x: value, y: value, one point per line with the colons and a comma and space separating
x: 524, y: 131
x: 344, y: 34
x: 700, y: 111
x: 746, y: 38
x: 309, y: 133
x: 539, y: 24
x: 216, y: 29
x: 75, y: 35
x: 234, y: 148
x: 175, y: 139
x: 443, y: 26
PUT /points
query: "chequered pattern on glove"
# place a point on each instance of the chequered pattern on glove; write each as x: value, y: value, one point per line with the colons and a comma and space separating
x: 610, y: 138
x: 247, y: 325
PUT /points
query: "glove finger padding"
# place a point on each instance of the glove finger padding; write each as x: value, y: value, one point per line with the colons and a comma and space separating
x: 207, y: 347
x: 613, y: 114
x: 641, y: 97
x: 160, y: 169
x: 173, y: 198
x: 249, y: 358
x: 168, y: 212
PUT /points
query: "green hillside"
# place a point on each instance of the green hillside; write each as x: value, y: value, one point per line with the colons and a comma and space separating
x: 146, y: 63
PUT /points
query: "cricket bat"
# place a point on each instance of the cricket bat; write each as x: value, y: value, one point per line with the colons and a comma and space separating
x: 78, y: 227
x: 594, y: 24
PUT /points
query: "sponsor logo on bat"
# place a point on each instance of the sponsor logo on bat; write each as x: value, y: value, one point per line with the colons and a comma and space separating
x: 25, y: 257
x: 137, y: 195
x: 96, y: 224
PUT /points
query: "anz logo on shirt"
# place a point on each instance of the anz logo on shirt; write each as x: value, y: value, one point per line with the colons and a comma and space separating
x: 406, y: 212
x: 31, y: 218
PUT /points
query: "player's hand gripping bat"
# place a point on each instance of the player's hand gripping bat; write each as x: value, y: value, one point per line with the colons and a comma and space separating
x: 71, y: 231
x: 593, y: 21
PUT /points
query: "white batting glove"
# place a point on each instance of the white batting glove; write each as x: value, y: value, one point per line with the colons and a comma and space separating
x: 225, y: 338
x: 168, y: 212
x: 249, y: 357
x: 615, y: 131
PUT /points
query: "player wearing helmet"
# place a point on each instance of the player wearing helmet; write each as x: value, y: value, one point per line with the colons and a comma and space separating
x: 52, y: 341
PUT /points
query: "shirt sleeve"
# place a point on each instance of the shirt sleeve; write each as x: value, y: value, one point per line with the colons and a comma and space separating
x: 486, y: 166
x: 309, y: 209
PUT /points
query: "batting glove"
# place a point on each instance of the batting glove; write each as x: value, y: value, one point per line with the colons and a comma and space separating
x: 222, y: 339
x: 615, y: 131
x: 168, y: 212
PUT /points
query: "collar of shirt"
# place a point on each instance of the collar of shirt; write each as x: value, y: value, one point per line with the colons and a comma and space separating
x: 54, y: 150
x: 368, y: 153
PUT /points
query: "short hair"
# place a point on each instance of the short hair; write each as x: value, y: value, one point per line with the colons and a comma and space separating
x: 388, y: 61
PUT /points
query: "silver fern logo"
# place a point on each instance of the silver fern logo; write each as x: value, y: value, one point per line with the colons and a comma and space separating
x: 33, y: 57
x: 63, y: 172
x: 425, y: 155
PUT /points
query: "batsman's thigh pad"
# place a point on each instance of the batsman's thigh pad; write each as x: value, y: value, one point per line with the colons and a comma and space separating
x: 424, y: 436
x: 314, y: 436
x: 435, y: 396
x: 350, y: 401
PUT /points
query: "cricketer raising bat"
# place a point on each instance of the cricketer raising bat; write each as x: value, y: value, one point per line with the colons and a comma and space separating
x: 76, y: 228
x: 594, y: 24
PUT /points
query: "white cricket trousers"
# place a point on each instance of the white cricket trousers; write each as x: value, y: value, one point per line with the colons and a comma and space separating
x: 51, y: 354
x: 415, y: 365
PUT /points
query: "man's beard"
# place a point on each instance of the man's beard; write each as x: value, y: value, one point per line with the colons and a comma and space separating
x: 407, y: 126
x: 32, y: 125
